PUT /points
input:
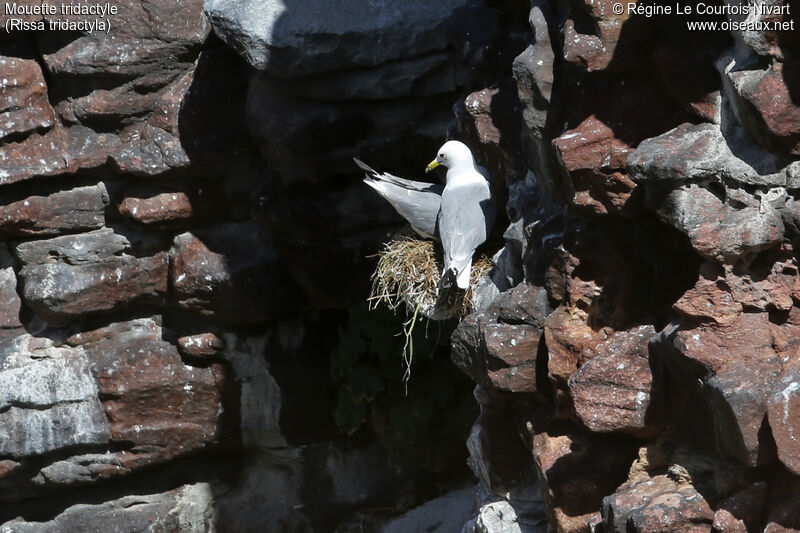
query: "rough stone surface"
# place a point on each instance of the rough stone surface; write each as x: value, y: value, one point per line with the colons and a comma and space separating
x: 614, y: 390
x: 79, y: 209
x: 185, y: 509
x: 767, y: 108
x: 657, y: 504
x: 698, y: 152
x: 499, y: 348
x: 24, y: 107
x: 49, y: 400
x: 718, y: 230
x: 58, y: 291
x: 290, y: 42
x: 154, y: 401
x: 593, y: 160
x: 164, y: 208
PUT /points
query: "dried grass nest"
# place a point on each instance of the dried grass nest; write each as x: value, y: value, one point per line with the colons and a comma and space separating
x: 408, y: 272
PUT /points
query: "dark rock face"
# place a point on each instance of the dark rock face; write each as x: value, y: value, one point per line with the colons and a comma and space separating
x: 182, y: 227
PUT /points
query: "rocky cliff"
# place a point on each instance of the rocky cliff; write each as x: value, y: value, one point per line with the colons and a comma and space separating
x: 184, y: 263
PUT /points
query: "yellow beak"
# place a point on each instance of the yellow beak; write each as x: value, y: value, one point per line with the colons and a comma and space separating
x: 433, y: 164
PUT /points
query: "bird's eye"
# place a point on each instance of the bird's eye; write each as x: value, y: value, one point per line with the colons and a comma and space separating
x: 443, y: 156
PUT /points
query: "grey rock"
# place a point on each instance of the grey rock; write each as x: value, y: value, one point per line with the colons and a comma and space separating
x: 533, y: 72
x: 59, y: 292
x: 702, y: 152
x: 77, y: 469
x: 522, y: 511
x: 150, y: 152
x: 188, y: 509
x: 428, y: 75
x: 290, y: 39
x: 73, y: 249
x: 260, y: 396
x: 280, y: 474
x: 48, y: 400
x: 9, y: 312
x: 445, y: 514
x: 718, y: 230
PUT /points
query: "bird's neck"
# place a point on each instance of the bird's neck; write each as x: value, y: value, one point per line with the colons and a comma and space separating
x: 463, y: 173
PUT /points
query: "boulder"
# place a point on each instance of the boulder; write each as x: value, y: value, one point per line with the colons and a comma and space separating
x: 166, y: 208
x: 70, y: 276
x: 607, y: 47
x: 718, y: 230
x: 767, y: 109
x: 499, y: 347
x: 290, y: 40
x: 701, y: 152
x: 160, y: 406
x: 656, y: 505
x: 614, y: 391
x: 592, y: 160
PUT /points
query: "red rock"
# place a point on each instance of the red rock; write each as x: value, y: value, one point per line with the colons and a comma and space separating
x: 168, y: 207
x: 514, y: 349
x: 765, y: 287
x: 200, y: 345
x: 568, y: 337
x: 612, y: 392
x: 499, y: 347
x: 783, y: 410
x: 605, y: 50
x: 576, y: 472
x: 79, y: 209
x: 7, y: 467
x: 727, y: 373
x: 154, y: 401
x: 489, y: 120
x: 769, y: 110
x: 657, y: 505
x: 717, y: 230
x: 593, y: 161
x: 743, y: 511
x: 24, y: 106
x: 37, y: 155
x: 148, y: 151
x: 709, y: 300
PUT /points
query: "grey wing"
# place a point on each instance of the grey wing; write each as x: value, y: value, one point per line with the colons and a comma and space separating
x: 418, y: 202
x: 396, y: 180
x: 465, y: 220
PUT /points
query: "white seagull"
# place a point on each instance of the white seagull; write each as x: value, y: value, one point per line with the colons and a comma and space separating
x: 467, y: 212
x: 460, y: 214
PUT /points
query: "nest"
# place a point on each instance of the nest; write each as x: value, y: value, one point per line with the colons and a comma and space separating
x: 408, y: 273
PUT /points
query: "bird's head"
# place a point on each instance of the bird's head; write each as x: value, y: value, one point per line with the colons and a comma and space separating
x: 452, y: 154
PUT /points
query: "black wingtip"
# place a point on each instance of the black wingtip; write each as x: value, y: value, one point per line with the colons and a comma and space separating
x: 363, y: 166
